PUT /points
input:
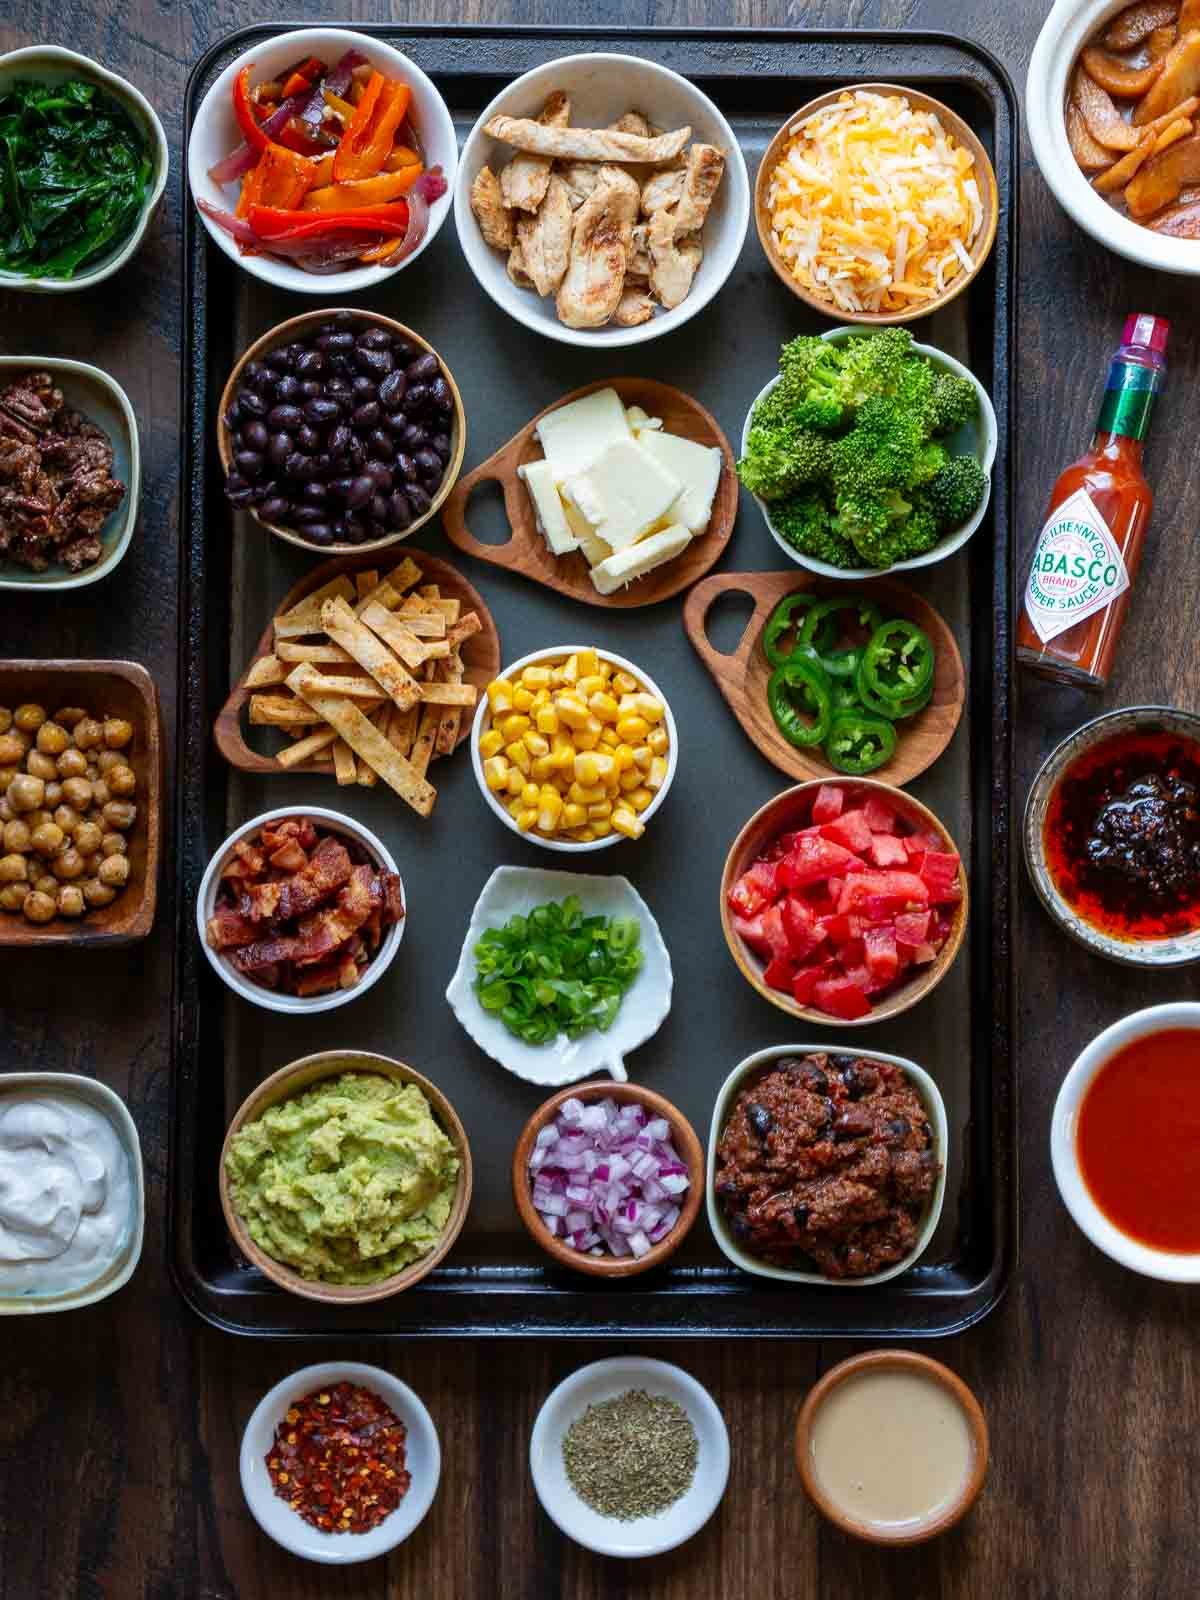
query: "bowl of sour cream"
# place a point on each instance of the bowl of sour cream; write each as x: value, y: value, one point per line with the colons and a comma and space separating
x: 72, y: 1199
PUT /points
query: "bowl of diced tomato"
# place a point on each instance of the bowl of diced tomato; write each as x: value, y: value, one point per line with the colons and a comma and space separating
x: 321, y: 160
x: 844, y: 903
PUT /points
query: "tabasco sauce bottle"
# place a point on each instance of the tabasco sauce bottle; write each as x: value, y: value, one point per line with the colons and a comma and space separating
x: 1090, y: 546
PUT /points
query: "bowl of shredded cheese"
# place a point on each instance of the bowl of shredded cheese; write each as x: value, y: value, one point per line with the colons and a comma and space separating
x: 876, y: 204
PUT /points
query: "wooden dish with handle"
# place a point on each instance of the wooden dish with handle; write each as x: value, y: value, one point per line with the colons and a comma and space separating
x: 102, y: 689
x: 979, y: 250
x: 293, y: 1080
x: 742, y: 674
x: 480, y: 653
x: 690, y: 1151
x: 528, y: 554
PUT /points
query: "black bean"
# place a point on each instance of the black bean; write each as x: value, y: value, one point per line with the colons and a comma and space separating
x: 360, y: 491
x: 441, y: 395
x: 336, y: 386
x: 380, y: 474
x: 417, y: 398
x: 311, y: 388
x: 353, y: 530
x: 320, y: 412
x: 315, y: 492
x: 727, y: 1188
x: 423, y: 369
x: 251, y: 405
x: 429, y: 463
x: 255, y: 436
x: 309, y: 363
x: 759, y: 1118
x: 264, y: 489
x: 364, y: 389
x: 377, y: 508
x: 235, y: 483
x: 391, y: 390
x: 287, y: 390
x: 280, y: 448
x: 356, y: 455
x: 233, y: 414
x: 341, y: 487
x: 851, y: 1077
x: 403, y: 350
x: 810, y: 1075
x: 365, y: 416
x: 279, y: 360
x: 284, y: 417
x: 375, y: 363
x: 254, y: 373
x: 249, y: 463
x: 413, y: 437
x: 274, y: 509
x: 406, y: 467
x: 307, y: 438
x: 298, y: 465
x: 319, y: 533
x: 340, y: 341
x: 396, y: 422
x: 417, y: 499
x: 374, y: 339
x: 306, y: 513
x: 338, y: 441
x: 380, y: 444
x: 238, y: 498
x: 441, y: 443
x: 399, y: 513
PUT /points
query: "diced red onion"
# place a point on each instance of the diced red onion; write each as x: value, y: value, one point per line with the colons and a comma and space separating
x: 639, y: 1243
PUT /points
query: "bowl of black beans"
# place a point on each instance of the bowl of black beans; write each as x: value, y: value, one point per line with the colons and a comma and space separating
x: 341, y: 430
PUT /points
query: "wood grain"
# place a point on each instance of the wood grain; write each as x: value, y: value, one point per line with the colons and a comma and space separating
x: 528, y: 554
x: 742, y: 674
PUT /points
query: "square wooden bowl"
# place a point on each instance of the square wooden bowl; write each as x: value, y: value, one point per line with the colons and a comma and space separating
x: 103, y: 689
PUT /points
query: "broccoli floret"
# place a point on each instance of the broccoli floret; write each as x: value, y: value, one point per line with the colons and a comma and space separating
x: 929, y: 462
x: 803, y: 519
x: 954, y: 493
x: 878, y: 364
x: 880, y: 452
x: 780, y: 459
x: 952, y: 402
x: 821, y: 413
x: 872, y: 522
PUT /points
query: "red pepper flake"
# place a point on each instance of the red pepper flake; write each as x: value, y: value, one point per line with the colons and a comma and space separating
x: 315, y: 1462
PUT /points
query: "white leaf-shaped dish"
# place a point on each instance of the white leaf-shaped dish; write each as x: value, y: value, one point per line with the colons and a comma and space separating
x: 517, y: 890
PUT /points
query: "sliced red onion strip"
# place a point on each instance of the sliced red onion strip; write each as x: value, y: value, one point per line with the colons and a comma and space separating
x: 338, y: 81
x: 237, y: 226
x: 232, y: 167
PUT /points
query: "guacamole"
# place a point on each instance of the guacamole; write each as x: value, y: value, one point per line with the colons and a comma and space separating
x: 347, y: 1182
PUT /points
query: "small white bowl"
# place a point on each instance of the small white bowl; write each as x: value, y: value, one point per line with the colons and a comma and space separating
x: 51, y: 63
x: 215, y: 134
x: 645, y: 1536
x: 1167, y: 1265
x: 935, y: 1109
x: 483, y: 721
x: 120, y: 1270
x: 602, y: 87
x: 256, y: 993
x: 423, y: 1459
x: 101, y: 400
x: 513, y: 890
x: 974, y: 438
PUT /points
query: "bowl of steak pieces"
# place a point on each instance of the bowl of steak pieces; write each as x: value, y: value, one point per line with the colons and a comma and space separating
x: 301, y: 912
x: 69, y: 473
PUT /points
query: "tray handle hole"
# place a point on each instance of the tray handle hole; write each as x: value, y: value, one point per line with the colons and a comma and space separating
x: 489, y: 519
x: 726, y: 619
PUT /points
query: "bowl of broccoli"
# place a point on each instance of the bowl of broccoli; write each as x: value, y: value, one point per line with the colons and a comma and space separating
x: 869, y: 453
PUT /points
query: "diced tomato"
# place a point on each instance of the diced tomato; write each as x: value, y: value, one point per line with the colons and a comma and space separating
x: 888, y: 851
x: 841, y: 998
x: 775, y: 938
x: 813, y: 859
x: 883, y: 961
x: 750, y: 931
x: 778, y: 973
x: 850, y: 829
x: 917, y: 954
x: 880, y: 816
x: 805, y: 982
x: 883, y: 894
x: 831, y: 797
x: 851, y: 953
x: 939, y: 873
x: 779, y: 846
x: 800, y: 925
x: 913, y: 926
x: 838, y: 928
x: 753, y: 890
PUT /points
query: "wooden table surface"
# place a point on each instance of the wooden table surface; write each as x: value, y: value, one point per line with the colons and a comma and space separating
x: 119, y: 1426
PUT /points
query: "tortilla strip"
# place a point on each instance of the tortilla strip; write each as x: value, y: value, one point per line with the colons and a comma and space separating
x: 326, y: 655
x: 265, y: 672
x: 586, y: 144
x: 449, y: 694
x: 423, y: 744
x: 344, y: 628
x: 403, y: 729
x: 411, y: 650
x: 448, y: 610
x: 306, y: 616
x: 390, y: 590
x: 366, y: 581
x: 451, y: 718
x: 345, y: 768
x: 315, y: 745
x: 366, y: 741
x: 463, y: 630
x: 367, y: 776
x: 279, y: 711
x: 425, y: 624
x: 363, y: 688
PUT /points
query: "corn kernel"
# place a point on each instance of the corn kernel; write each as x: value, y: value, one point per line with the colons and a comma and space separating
x: 593, y: 683
x: 624, y: 683
x: 601, y: 810
x: 573, y: 816
x: 514, y: 808
x: 531, y: 794
x: 606, y: 766
x: 587, y: 662
x: 640, y: 798
x: 570, y: 669
x: 546, y: 719
x: 500, y: 693
x: 522, y: 698
x: 536, y: 743
x: 657, y: 775
x: 527, y: 818
x: 585, y: 794
x: 601, y: 828
x: 658, y: 741
x: 536, y: 677
x: 628, y: 823
x: 585, y: 740
x: 518, y: 755
x: 563, y: 756
x: 572, y: 711
x: 643, y: 756
x: 557, y: 677
x: 585, y: 835
x: 542, y: 769
x: 610, y: 738
x: 491, y: 744
x: 633, y: 729
x: 624, y: 757
x: 630, y: 780
x: 495, y: 772
x: 603, y: 706
x: 651, y: 707
x: 513, y: 726
x: 514, y: 781
x: 587, y: 769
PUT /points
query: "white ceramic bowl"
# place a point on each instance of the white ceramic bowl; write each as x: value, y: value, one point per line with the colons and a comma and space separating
x: 602, y: 87
x: 516, y: 890
x: 644, y: 1536
x: 256, y: 993
x: 1170, y: 1266
x: 935, y: 1109
x: 215, y: 134
x: 979, y: 438
x: 102, y: 400
x: 483, y: 721
x: 1067, y: 29
x: 423, y: 1458
x: 51, y: 63
x: 120, y: 1270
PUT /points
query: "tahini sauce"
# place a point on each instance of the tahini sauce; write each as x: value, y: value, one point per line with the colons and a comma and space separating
x: 891, y: 1449
x: 66, y: 1193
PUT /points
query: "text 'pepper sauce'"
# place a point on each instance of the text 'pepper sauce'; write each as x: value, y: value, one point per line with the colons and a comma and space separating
x: 1090, y: 547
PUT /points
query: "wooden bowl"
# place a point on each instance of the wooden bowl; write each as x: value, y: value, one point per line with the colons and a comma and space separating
x: 690, y: 1153
x: 899, y: 1361
x: 789, y: 810
x: 102, y: 688
x: 298, y: 328
x: 528, y: 554
x: 292, y: 1080
x: 989, y: 195
x: 742, y: 674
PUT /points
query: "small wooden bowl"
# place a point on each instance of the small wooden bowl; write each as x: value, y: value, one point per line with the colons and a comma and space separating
x: 989, y: 195
x: 292, y: 1080
x: 790, y: 809
x: 691, y: 1154
x: 902, y: 1361
x: 297, y: 328
x: 112, y: 689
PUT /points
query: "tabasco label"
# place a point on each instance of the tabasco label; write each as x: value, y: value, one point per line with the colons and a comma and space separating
x: 1077, y: 568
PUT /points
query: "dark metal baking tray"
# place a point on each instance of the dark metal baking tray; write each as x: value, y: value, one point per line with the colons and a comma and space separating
x: 497, y: 1282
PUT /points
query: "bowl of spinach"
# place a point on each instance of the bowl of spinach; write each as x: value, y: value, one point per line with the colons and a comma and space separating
x: 83, y: 163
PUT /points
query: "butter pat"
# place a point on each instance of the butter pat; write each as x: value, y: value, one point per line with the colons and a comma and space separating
x: 641, y: 558
x: 624, y: 493
x: 576, y: 435
x: 698, y: 466
x: 639, y: 419
x: 538, y: 477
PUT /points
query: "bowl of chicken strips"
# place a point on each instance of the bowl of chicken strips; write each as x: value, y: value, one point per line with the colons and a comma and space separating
x: 601, y: 200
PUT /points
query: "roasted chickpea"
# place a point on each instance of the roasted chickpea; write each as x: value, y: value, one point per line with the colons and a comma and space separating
x: 108, y: 759
x: 120, y: 814
x: 95, y: 893
x: 12, y: 749
x: 88, y: 733
x: 49, y: 839
x: 122, y: 782
x: 14, y: 869
x: 88, y: 838
x: 46, y: 884
x: 117, y: 732
x: 6, y: 811
x: 70, y: 900
x: 67, y: 818
x: 39, y: 907
x: 29, y: 717
x: 114, y: 871
x: 52, y: 739
x: 77, y: 792
x: 26, y: 793
x: 17, y: 836
x: 34, y: 819
x: 5, y: 719
x: 101, y: 793
x: 12, y: 896
x: 53, y: 794
x: 72, y: 764
x: 68, y: 716
x: 91, y: 864
x: 40, y: 766
x: 91, y: 772
x: 114, y: 844
x: 67, y: 864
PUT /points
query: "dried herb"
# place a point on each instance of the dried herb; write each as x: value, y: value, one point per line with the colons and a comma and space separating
x: 632, y: 1456
x: 338, y: 1459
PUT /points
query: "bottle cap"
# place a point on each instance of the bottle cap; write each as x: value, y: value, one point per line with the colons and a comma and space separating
x: 1147, y: 331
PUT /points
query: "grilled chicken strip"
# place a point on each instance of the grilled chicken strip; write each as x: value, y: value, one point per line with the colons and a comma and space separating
x: 702, y: 176
x: 515, y: 267
x: 631, y: 122
x: 581, y: 178
x: 661, y: 190
x: 591, y: 290
x: 523, y: 181
x: 493, y: 216
x: 635, y: 306
x: 545, y: 239
x: 674, y: 259
x: 586, y: 144
x: 638, y: 265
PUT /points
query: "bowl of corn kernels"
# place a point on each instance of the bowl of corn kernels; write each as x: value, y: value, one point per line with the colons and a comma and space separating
x: 574, y: 748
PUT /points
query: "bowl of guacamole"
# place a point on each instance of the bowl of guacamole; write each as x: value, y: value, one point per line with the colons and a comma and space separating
x: 345, y: 1176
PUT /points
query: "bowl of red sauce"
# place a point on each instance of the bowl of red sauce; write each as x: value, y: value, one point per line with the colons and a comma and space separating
x: 1125, y: 1142
x: 1112, y: 836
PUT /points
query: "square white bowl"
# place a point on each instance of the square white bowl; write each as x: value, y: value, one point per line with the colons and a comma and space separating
x: 120, y: 1270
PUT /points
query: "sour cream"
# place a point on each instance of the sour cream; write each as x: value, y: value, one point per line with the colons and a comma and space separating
x: 66, y: 1194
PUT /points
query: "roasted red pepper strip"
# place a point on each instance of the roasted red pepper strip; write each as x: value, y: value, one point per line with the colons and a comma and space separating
x: 244, y: 111
x: 367, y: 142
x: 269, y: 223
x: 303, y: 77
x: 284, y: 178
x: 361, y: 193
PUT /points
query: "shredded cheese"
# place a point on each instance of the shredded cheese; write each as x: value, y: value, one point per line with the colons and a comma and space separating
x: 874, y: 206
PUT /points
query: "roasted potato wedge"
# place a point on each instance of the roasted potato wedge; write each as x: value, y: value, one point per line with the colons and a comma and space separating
x: 1126, y: 82
x: 1163, y: 178
x: 1136, y: 23
x: 1179, y: 79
